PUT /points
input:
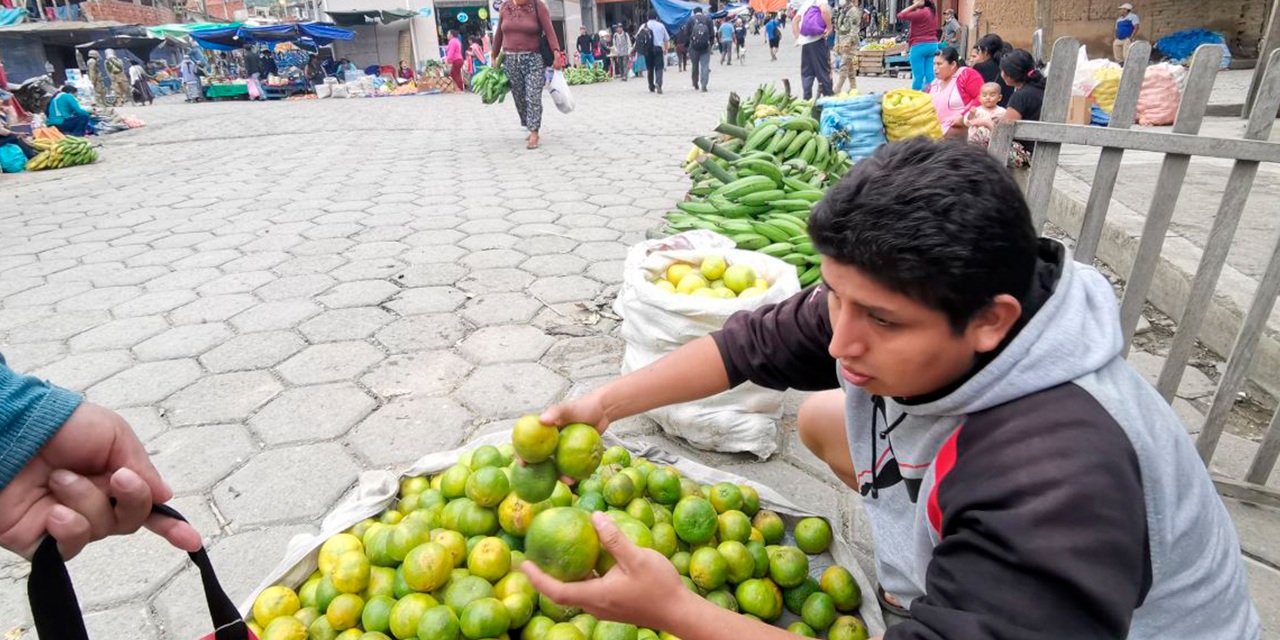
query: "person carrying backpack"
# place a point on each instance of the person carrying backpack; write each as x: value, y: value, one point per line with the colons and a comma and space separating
x: 811, y: 28
x: 700, y: 32
x: 651, y: 42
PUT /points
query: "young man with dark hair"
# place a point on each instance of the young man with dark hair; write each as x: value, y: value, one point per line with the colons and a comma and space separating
x: 1021, y: 480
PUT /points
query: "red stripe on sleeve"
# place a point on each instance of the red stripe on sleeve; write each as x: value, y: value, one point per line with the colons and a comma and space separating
x: 943, y: 464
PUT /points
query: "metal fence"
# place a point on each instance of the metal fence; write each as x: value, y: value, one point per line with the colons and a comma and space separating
x: 1178, y: 146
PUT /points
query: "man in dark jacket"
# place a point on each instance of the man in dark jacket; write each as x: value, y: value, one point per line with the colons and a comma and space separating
x: 701, y: 35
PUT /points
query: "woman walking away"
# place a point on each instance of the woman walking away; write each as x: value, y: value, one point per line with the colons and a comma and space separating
x: 621, y: 52
x: 923, y: 39
x: 453, y: 55
x: 955, y: 90
x: 521, y: 26
x: 141, y: 90
x: 1021, y: 73
x: 988, y: 51
x: 811, y: 27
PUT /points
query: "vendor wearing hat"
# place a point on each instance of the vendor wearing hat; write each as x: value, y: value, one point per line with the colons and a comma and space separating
x: 1126, y: 31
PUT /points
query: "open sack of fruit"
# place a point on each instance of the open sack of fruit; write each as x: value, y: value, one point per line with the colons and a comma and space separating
x: 657, y: 319
x: 434, y: 552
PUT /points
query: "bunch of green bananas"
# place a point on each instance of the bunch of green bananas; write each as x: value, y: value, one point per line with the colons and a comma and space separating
x: 492, y: 83
x: 769, y: 101
x: 586, y: 75
x: 66, y: 152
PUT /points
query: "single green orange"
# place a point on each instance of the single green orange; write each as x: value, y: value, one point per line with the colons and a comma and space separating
x: 519, y: 607
x: 407, y: 612
x: 819, y: 611
x: 438, y: 623
x: 634, y: 530
x: 726, y: 496
x: 490, y: 559
x: 660, y: 512
x: 723, y: 599
x: 335, y: 547
x: 377, y: 613
x: 534, y: 481
x: 665, y: 540
x: 813, y: 535
x: 838, y: 583
x: 847, y: 628
x: 770, y: 525
x: 563, y: 542
x: 680, y: 560
x: 609, y: 630
x: 664, y: 486
x: 406, y: 535
x: 694, y: 519
x: 801, y: 629
x: 275, y: 602
x: 537, y: 628
x: 590, y: 502
x: 453, y: 483
x: 466, y: 590
x: 619, y: 490
x: 689, y: 488
x: 794, y: 597
x: 760, y: 558
x: 750, y: 500
x: 741, y: 566
x: 485, y: 455
x: 319, y: 629
x: 733, y: 525
x: 641, y: 510
x: 562, y: 496
x: 515, y: 515
x: 760, y: 597
x: 788, y: 566
x: 556, y: 611
x: 487, y: 486
x: 564, y: 631
x: 475, y: 520
x: 454, y: 543
x: 427, y: 567
x: 344, y: 612
x: 285, y: 628
x: 534, y: 441
x: 585, y: 622
x: 513, y: 583
x: 708, y: 569
x: 579, y: 451
x: 618, y: 455
x: 638, y: 479
x: 484, y: 618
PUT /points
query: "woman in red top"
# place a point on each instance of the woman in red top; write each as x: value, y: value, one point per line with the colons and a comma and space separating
x: 955, y: 90
x: 923, y: 38
x: 521, y: 26
x: 453, y: 55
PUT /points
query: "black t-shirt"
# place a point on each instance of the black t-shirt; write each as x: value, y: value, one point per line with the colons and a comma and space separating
x: 1027, y: 100
x: 584, y: 44
x: 990, y: 70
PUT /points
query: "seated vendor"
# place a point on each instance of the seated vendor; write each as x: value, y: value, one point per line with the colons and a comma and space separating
x: 9, y: 116
x: 67, y: 115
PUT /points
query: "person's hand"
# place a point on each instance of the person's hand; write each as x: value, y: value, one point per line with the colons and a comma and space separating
x: 587, y: 409
x: 643, y: 588
x: 67, y: 490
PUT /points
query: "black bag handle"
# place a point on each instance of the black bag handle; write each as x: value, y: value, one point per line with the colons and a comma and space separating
x: 56, y: 609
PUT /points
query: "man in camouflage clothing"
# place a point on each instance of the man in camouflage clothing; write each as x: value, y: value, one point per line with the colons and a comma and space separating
x: 848, y: 20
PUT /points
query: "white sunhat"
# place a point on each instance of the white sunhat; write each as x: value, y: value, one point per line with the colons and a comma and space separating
x: 1127, y: 6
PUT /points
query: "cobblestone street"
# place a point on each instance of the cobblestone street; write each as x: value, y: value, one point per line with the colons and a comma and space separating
x: 279, y: 296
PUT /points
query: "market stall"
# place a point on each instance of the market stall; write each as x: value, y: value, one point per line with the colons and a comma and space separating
x: 292, y: 46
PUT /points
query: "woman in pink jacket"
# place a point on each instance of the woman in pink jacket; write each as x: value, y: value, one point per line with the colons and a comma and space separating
x: 955, y: 89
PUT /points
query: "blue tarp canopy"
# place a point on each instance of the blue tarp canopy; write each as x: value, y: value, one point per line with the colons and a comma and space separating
x: 230, y: 38
x: 734, y: 9
x: 673, y: 13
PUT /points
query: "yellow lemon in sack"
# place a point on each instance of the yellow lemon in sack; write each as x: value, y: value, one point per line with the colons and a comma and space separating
x: 676, y: 272
x: 713, y: 267
x: 739, y: 277
x: 335, y: 547
x: 285, y: 628
x: 706, y: 292
x: 275, y: 602
x: 665, y: 286
x: 351, y: 573
x: 690, y: 283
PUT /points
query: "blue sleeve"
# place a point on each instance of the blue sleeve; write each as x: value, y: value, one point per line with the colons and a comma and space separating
x: 31, y: 411
x: 80, y: 111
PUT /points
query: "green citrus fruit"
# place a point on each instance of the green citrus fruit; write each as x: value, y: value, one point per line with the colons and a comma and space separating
x: 537, y: 628
x: 801, y: 629
x: 664, y: 486
x: 485, y: 455
x: 320, y: 629
x: 465, y: 458
x: 634, y: 530
x: 609, y: 630
x: 378, y: 545
x: 377, y: 613
x: 760, y: 558
x: 664, y: 538
x: 838, y: 583
x: 647, y: 634
x: 705, y: 491
x: 741, y: 566
x: 475, y: 520
x: 407, y: 612
x: 794, y: 597
x: 534, y: 481
x: 484, y: 618
x: 750, y: 500
x: 275, y: 602
x: 390, y: 516
x: 619, y: 490
x: 513, y: 583
x: 515, y: 515
x: 562, y: 496
x: 788, y: 566
x: 723, y: 599
x: 351, y: 573
x: 726, y: 496
x: 638, y: 479
x: 454, y: 543
x: 307, y: 593
x: 307, y: 615
x: 761, y: 598
x: 641, y: 510
x: 563, y: 542
x: 325, y: 593
x: 660, y: 513
x: 519, y: 607
x: 689, y: 584
x: 813, y: 535
x: 618, y: 455
x: 508, y: 453
x: 487, y: 486
x: 427, y: 567
x: 689, y: 488
x: 466, y: 590
x: 564, y: 631
x: 408, y: 504
x: 353, y: 633
x: 847, y: 628
x: 414, y: 484
x: 334, y: 547
x: 431, y: 499
x: 453, y: 483
x: 490, y: 559
x: 819, y: 611
x: 359, y: 528
x: 708, y: 569
x: 585, y: 622
x: 557, y: 612
x: 399, y: 586
x: 579, y: 451
x: 694, y: 519
x: 594, y: 484
x: 590, y: 502
x: 770, y: 525
x: 285, y: 628
x: 406, y: 535
x: 438, y: 623
x: 534, y: 441
x: 733, y: 525
x: 680, y: 560
x: 344, y: 612
x: 756, y: 535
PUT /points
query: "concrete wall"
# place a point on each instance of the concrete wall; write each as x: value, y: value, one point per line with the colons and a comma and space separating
x: 1092, y: 21
x: 127, y: 12
x: 379, y: 43
x: 23, y: 57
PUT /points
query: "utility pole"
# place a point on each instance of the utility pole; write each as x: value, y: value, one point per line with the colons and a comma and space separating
x: 1270, y: 42
x: 1044, y: 22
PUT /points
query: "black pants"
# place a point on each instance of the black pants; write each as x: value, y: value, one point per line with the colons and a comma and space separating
x: 655, y: 63
x: 27, y: 150
x: 815, y: 64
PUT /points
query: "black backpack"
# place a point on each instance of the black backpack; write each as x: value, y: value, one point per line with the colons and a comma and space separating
x: 644, y: 41
x: 700, y: 33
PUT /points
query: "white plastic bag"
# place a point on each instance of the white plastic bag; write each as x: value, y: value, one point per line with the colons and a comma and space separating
x: 559, y: 88
x: 376, y: 490
x: 656, y: 322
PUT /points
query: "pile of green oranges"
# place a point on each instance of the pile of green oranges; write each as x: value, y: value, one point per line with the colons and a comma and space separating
x: 443, y: 562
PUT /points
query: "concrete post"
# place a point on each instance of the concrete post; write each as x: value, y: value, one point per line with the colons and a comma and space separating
x: 1044, y: 23
x: 426, y: 42
x: 572, y: 21
x: 1270, y: 42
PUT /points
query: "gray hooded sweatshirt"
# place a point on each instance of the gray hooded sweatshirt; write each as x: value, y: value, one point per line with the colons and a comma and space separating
x: 1052, y: 493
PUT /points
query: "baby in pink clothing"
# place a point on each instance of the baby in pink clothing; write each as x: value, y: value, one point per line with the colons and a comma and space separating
x: 983, y: 118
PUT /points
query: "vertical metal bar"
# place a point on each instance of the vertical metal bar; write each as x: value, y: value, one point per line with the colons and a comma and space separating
x: 1270, y: 42
x: 1264, y: 461
x: 1195, y: 98
x: 1104, y: 177
x: 1221, y: 233
x: 1255, y: 322
x: 1057, y: 97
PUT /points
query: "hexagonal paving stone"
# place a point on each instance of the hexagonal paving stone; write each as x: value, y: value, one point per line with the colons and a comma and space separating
x: 100, y: 298
x: 608, y: 272
x: 372, y: 269
x: 423, y: 373
x: 489, y: 309
x: 585, y: 357
x: 418, y: 333
x: 330, y: 362
x: 542, y: 245
x: 122, y: 568
x: 299, y: 286
x: 221, y: 398
x: 429, y: 275
x: 565, y: 289
x: 147, y: 383
x: 505, y: 344
x: 446, y: 253
x: 145, y: 422
x: 184, y: 341
x: 259, y: 492
x: 501, y: 390
x: 361, y: 293
x: 275, y: 315
x: 215, y: 309
x: 185, y: 279
x: 252, y: 351
x: 482, y: 241
x: 306, y: 265
x: 554, y: 265
x: 192, y: 459
x: 316, y: 412
x: 408, y: 427
x: 242, y: 282
x: 58, y: 327
x: 426, y: 300
x: 602, y: 250
x: 153, y: 303
x: 118, y: 334
x: 493, y: 259
x: 80, y: 371
x: 345, y: 324
x: 491, y: 280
